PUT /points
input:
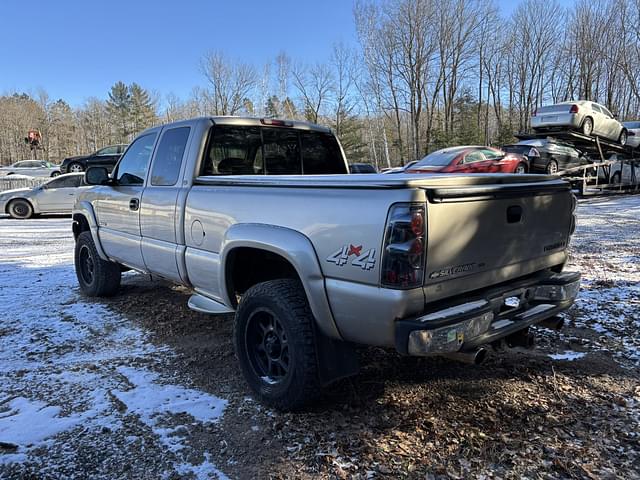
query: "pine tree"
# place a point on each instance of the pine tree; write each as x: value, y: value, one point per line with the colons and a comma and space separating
x: 119, y: 110
x: 272, y: 108
x: 142, y: 108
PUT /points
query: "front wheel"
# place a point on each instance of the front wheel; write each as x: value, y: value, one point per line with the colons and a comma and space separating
x: 55, y: 174
x: 20, y: 209
x: 521, y: 168
x: 97, y: 277
x: 552, y: 167
x: 275, y: 344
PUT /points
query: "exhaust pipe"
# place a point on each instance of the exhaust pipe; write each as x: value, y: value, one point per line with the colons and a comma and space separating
x: 553, y: 323
x: 523, y: 338
x: 473, y: 357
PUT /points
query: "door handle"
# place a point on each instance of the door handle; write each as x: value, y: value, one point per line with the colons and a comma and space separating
x: 134, y: 204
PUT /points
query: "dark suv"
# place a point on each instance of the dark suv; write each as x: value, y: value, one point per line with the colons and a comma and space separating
x: 546, y: 156
x: 105, y: 157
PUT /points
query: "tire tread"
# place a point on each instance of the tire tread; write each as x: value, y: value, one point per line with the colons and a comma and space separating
x: 288, y: 295
x: 107, y: 274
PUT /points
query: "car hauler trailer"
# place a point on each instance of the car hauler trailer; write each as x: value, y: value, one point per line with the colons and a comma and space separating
x: 614, y: 168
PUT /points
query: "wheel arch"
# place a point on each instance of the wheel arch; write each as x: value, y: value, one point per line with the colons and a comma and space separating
x: 84, y: 219
x: 274, y: 252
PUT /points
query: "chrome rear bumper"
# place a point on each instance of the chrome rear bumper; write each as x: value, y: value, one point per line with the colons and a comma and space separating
x: 481, y: 320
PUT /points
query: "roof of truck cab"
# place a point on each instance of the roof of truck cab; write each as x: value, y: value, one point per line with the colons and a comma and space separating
x: 240, y: 121
x: 257, y: 122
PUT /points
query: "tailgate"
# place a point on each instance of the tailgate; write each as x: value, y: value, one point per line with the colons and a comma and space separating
x: 485, y: 235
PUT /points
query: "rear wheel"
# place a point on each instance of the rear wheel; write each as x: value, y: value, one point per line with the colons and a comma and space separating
x: 275, y: 344
x: 552, y: 167
x: 521, y: 168
x: 623, y: 138
x: 55, y: 174
x: 587, y: 126
x: 75, y: 167
x: 20, y: 209
x: 97, y: 277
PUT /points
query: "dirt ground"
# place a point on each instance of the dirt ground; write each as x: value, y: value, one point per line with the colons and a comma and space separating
x: 522, y: 414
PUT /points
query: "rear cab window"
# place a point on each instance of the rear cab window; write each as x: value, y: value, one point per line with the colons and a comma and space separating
x: 253, y: 150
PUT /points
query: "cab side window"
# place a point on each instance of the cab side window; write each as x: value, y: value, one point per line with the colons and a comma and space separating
x: 168, y: 160
x: 133, y: 166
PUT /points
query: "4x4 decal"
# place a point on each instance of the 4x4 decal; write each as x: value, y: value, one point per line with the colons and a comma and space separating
x: 366, y: 260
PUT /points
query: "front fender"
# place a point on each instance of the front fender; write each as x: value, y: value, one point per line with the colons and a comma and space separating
x: 298, y: 250
x: 85, y: 209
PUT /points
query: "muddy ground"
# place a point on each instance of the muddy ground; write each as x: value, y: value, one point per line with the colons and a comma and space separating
x: 522, y: 414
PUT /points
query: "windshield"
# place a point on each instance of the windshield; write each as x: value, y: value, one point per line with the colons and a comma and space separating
x: 440, y: 158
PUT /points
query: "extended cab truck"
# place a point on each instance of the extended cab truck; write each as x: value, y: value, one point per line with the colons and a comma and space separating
x: 258, y: 217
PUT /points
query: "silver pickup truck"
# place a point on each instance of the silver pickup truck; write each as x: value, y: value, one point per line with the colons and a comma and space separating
x: 259, y: 217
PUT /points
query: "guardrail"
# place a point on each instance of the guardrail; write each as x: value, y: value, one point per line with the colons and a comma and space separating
x: 9, y: 182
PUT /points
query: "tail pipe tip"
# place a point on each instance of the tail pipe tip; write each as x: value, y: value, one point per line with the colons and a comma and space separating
x: 473, y: 357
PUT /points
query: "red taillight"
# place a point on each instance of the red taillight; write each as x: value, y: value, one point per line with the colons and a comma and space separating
x: 573, y: 109
x: 275, y: 123
x: 404, y: 246
x: 417, y: 223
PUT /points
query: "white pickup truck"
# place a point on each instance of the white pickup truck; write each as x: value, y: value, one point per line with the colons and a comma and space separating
x: 259, y: 217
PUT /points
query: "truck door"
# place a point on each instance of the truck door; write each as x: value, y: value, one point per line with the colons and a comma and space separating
x: 119, y: 207
x: 161, y: 217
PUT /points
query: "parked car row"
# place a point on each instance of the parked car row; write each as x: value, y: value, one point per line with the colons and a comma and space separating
x: 105, y: 157
x: 55, y: 196
x: 31, y: 168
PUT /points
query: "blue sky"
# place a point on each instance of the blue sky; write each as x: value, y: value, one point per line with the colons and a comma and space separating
x: 77, y: 49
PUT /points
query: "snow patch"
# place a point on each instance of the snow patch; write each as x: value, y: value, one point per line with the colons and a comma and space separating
x: 568, y: 355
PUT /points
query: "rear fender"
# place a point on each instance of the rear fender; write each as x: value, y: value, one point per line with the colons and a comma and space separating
x: 297, y: 250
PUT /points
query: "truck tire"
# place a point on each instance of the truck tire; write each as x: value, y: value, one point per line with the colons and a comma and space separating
x: 275, y: 344
x: 97, y: 277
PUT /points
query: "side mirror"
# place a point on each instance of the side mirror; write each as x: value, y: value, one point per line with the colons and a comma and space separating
x: 96, y: 176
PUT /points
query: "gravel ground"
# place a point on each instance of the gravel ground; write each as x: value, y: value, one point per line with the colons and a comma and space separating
x: 141, y: 387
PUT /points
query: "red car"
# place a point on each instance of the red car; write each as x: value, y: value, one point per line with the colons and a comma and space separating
x: 470, y: 160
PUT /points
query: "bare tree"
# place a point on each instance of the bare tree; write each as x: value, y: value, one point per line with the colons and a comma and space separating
x: 230, y: 82
x: 314, y: 85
